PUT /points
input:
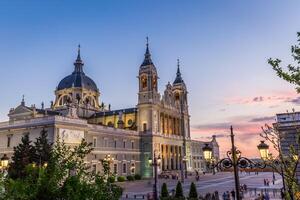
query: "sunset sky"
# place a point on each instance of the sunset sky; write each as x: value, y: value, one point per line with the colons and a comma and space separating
x: 223, y: 47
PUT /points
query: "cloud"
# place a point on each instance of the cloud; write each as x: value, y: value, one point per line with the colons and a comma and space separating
x: 295, y: 100
x: 271, y: 99
x: 262, y: 119
x: 258, y: 99
x: 246, y: 129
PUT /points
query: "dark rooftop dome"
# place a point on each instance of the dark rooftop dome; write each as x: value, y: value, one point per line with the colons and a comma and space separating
x: 77, y: 78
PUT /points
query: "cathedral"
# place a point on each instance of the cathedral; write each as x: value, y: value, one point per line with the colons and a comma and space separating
x: 159, y: 125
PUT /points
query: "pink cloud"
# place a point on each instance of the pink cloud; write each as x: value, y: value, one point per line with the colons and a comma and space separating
x: 269, y: 99
x: 246, y: 132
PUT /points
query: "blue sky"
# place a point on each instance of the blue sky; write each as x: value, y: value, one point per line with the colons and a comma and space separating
x: 223, y: 47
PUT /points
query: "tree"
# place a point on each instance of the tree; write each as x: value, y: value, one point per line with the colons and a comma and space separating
x: 179, y: 191
x: 22, y: 157
x: 292, y: 74
x: 193, y: 191
x: 65, y: 177
x: 42, y: 149
x: 164, y: 194
x: 286, y: 163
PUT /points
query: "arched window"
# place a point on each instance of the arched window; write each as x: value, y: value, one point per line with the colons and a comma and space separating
x: 110, y: 124
x: 124, y: 168
x: 144, y: 82
x: 64, y: 100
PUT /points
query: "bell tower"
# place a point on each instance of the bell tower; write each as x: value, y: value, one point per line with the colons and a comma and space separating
x: 147, y: 79
x: 148, y: 95
x: 180, y: 93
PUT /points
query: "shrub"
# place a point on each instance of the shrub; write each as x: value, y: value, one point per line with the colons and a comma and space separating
x: 130, y: 178
x: 193, y: 191
x: 164, y: 194
x: 137, y: 177
x: 179, y: 191
x: 121, y: 178
x: 111, y: 179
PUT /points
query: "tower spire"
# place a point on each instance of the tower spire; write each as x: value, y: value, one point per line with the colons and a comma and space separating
x: 178, y: 78
x: 23, y: 100
x: 178, y: 67
x: 78, y: 53
x: 147, y: 59
x: 78, y: 62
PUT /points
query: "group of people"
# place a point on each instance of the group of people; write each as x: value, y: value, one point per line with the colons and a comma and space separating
x: 266, y: 182
x: 263, y: 196
x: 226, y: 195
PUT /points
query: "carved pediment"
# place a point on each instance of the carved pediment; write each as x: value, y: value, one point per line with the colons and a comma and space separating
x: 20, y: 110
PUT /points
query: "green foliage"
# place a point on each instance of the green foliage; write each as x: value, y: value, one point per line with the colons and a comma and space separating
x: 121, y: 178
x: 164, y: 193
x: 23, y: 156
x: 111, y: 179
x: 193, y: 191
x: 292, y: 74
x: 130, y: 178
x: 65, y: 177
x: 137, y: 177
x: 179, y: 191
x: 106, y: 167
x: 42, y: 149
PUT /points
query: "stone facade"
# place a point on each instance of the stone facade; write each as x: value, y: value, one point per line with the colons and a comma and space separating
x: 288, y: 124
x: 158, y: 125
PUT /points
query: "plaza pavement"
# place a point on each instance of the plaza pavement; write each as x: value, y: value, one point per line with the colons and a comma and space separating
x: 222, y: 182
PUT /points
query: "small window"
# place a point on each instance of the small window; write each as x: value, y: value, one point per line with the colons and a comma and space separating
x: 124, y: 168
x: 124, y: 144
x: 132, y: 144
x: 115, y: 143
x: 115, y: 168
x: 144, y: 126
x: 94, y: 142
x: 105, y: 143
x: 8, y: 140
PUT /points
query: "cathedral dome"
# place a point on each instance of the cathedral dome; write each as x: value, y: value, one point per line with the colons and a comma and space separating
x: 78, y: 78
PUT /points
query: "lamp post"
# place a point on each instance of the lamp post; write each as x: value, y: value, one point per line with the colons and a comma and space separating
x: 234, y: 159
x: 4, y: 162
x: 155, y: 163
x: 207, y: 152
x: 265, y: 156
x: 183, y: 168
x: 107, y: 160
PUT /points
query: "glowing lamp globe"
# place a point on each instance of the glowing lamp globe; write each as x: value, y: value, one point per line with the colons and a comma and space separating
x: 263, y: 150
x: 207, y: 152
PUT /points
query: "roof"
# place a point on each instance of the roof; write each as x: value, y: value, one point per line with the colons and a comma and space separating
x: 114, y: 112
x: 78, y: 77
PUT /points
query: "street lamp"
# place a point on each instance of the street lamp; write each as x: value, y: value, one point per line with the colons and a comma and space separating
x: 4, y: 161
x: 265, y: 156
x: 183, y: 168
x: 106, y: 161
x: 234, y: 159
x: 263, y: 150
x: 155, y: 163
x: 209, y: 158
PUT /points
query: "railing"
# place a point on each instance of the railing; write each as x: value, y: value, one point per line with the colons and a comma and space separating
x: 48, y: 119
x: 112, y: 129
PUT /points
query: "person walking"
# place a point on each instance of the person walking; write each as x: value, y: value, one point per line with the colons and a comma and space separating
x: 224, y: 196
x: 233, y: 194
